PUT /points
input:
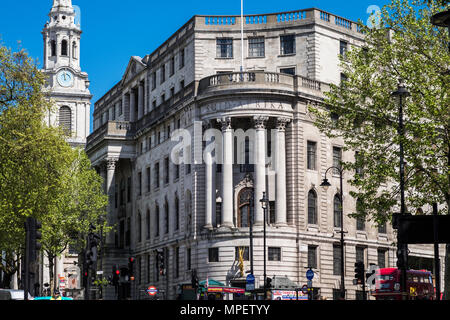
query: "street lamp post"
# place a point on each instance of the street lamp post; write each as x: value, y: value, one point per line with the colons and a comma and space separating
x: 264, y: 203
x: 326, y: 184
x: 402, y: 249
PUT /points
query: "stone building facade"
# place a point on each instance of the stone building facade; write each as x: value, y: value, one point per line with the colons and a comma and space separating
x: 197, y: 88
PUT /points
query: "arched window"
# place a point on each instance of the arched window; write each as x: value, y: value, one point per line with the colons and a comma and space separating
x: 337, y: 209
x: 312, y: 207
x: 65, y: 119
x: 243, y: 218
x: 64, y: 48
x: 53, y: 48
x: 147, y: 223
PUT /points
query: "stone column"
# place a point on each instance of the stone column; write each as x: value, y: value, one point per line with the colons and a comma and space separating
x: 140, y: 101
x: 260, y: 166
x: 227, y: 172
x: 146, y: 86
x: 280, y: 169
x: 209, y: 190
x: 132, y: 105
x: 110, y: 170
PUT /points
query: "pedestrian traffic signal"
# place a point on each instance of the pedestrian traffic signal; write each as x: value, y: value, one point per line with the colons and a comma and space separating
x: 359, y: 272
x: 401, y: 258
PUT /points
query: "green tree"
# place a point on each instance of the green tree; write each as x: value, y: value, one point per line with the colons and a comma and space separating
x: 41, y: 175
x: 405, y: 46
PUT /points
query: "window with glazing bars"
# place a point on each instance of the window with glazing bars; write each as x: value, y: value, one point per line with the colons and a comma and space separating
x: 287, y: 44
x: 256, y: 47
x: 225, y: 48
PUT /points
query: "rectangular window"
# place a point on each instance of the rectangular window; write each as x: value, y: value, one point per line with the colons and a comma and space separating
x: 188, y: 259
x: 157, y: 221
x: 225, y: 48
x: 166, y: 170
x: 382, y: 258
x: 382, y: 228
x: 290, y: 71
x: 256, y: 47
x: 154, y: 80
x: 337, y: 259
x: 360, y: 224
x: 311, y: 155
x: 139, y: 183
x: 359, y: 161
x: 177, y: 262
x: 157, y: 175
x: 360, y: 254
x: 312, y: 257
x: 182, y: 58
x: 182, y: 85
x: 172, y: 66
x: 246, y: 254
x: 274, y: 254
x: 148, y: 179
x: 337, y: 159
x: 213, y: 255
x: 287, y: 44
x: 342, y: 47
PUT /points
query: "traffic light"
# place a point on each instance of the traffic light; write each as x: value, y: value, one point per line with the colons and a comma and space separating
x: 116, y: 275
x: 194, y: 279
x: 131, y: 267
x: 268, y: 283
x: 359, y: 272
x: 160, y: 262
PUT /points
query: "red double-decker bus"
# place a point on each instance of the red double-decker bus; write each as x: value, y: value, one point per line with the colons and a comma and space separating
x: 387, y: 284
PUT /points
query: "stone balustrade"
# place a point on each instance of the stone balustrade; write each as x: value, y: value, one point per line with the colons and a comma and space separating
x: 307, y: 15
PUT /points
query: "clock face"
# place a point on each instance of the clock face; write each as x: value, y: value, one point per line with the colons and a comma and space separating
x: 65, y: 78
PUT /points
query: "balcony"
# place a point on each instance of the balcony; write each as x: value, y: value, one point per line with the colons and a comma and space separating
x: 115, y: 130
x: 261, y: 80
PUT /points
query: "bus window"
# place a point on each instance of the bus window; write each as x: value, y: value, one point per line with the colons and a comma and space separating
x: 416, y: 279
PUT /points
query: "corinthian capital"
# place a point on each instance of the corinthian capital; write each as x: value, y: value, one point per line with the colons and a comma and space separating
x: 281, y: 123
x: 225, y: 122
x: 260, y: 122
x: 111, y: 163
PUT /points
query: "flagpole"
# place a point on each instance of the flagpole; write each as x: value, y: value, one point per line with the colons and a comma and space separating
x: 242, y: 35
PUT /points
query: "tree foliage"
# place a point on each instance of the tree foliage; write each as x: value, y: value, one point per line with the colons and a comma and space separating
x: 405, y: 46
x: 41, y: 175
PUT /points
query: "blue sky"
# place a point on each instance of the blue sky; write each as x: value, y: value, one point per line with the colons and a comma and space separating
x: 114, y: 30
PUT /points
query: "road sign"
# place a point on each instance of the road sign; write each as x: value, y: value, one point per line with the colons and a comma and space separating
x: 152, y: 290
x: 309, y: 283
x: 250, y: 279
x: 420, y: 229
x: 309, y: 274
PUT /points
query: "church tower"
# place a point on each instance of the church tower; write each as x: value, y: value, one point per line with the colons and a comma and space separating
x: 68, y: 85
